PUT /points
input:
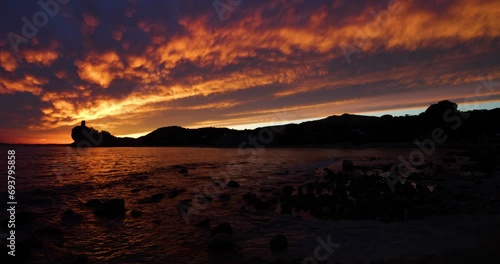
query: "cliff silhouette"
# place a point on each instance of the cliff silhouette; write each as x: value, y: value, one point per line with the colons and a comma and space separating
x: 84, y: 136
x: 459, y: 127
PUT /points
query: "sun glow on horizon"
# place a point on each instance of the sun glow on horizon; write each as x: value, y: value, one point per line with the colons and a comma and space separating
x: 134, y: 135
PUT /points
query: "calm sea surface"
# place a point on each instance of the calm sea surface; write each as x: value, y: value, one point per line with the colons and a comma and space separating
x: 50, y: 180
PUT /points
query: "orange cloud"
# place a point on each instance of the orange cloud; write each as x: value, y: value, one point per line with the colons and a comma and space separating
x: 100, y: 68
x: 7, y: 61
x: 30, y: 84
x: 45, y: 58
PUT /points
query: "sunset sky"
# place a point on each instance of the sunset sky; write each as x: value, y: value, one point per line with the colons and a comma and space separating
x: 129, y: 67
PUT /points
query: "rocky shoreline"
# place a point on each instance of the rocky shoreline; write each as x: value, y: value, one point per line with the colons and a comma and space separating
x: 355, y: 204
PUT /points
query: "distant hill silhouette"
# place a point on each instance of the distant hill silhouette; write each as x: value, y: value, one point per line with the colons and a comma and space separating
x: 84, y: 136
x: 470, y: 126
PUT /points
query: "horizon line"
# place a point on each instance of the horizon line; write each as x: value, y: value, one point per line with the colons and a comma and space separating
x: 253, y: 126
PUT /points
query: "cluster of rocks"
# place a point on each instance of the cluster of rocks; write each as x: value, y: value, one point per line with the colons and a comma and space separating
x: 185, y: 205
x: 355, y: 194
x: 110, y: 208
x: 222, y: 241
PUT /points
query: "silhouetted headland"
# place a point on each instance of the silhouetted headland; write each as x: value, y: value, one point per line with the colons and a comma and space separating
x: 477, y: 126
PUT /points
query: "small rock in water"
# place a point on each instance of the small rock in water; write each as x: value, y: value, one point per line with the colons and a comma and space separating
x: 157, y: 197
x: 261, y: 205
x: 233, y: 184
x: 70, y: 216
x: 187, y: 201
x: 250, y: 197
x: 222, y: 228
x: 286, y: 208
x: 152, y: 199
x: 183, y: 171
x: 347, y: 165
x: 221, y: 243
x: 203, y: 223
x: 173, y: 193
x: 266, y: 189
x: 449, y: 159
x: 204, y: 198
x: 93, y: 203
x: 111, y: 208
x: 135, y: 213
x: 225, y: 197
x: 278, y: 242
x: 287, y: 191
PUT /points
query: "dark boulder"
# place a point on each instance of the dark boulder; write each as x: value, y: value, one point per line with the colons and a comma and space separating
x: 175, y: 192
x: 287, y: 191
x: 152, y: 199
x: 225, y: 197
x: 205, y: 223
x: 233, y: 184
x: 347, y: 165
x: 222, y: 228
x: 70, y: 216
x: 286, y: 208
x: 221, y: 243
x: 266, y: 189
x: 187, y: 201
x: 414, y: 177
x: 183, y: 171
x: 262, y: 205
x: 278, y: 242
x: 250, y: 197
x: 157, y: 197
x: 92, y: 203
x: 110, y: 208
x: 449, y: 160
x: 135, y: 213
